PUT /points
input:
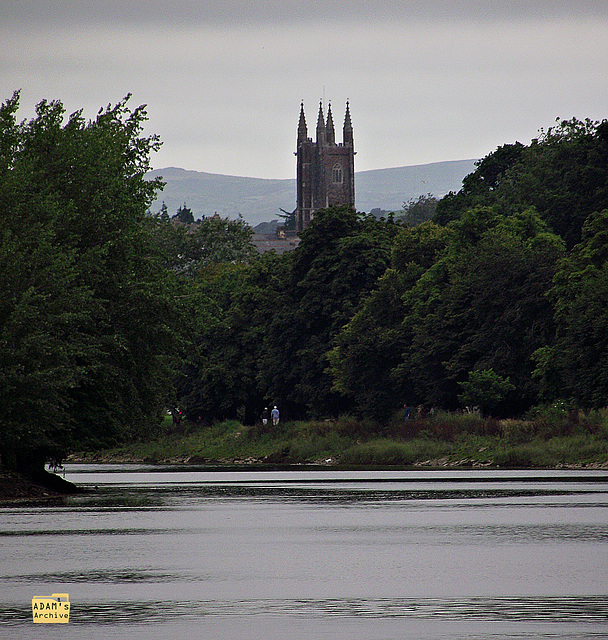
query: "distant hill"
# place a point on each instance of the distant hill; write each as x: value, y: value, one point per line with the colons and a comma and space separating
x: 260, y: 199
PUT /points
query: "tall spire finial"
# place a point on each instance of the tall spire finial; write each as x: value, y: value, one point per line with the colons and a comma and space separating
x: 302, y: 128
x: 348, y: 127
x: 320, y: 125
x: 329, y: 127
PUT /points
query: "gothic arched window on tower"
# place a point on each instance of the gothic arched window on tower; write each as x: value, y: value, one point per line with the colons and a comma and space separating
x: 336, y: 174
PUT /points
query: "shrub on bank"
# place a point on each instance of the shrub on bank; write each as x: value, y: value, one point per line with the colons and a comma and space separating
x: 314, y: 446
x: 515, y: 432
x: 353, y: 427
x: 558, y: 419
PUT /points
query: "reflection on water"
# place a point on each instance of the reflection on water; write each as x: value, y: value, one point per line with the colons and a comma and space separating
x: 156, y: 552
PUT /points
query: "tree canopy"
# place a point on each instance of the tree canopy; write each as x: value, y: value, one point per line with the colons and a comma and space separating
x: 563, y: 174
x: 275, y: 318
x: 88, y: 318
x: 574, y: 366
x: 468, y: 297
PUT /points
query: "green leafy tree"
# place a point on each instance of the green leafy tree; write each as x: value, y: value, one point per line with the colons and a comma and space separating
x: 369, y: 349
x: 485, y: 389
x: 480, y: 187
x: 214, y: 384
x: 574, y: 366
x: 45, y: 319
x: 563, y: 174
x: 89, y: 319
x: 416, y: 211
x: 483, y: 306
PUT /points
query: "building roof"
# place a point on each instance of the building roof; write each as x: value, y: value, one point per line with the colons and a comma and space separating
x: 271, y: 242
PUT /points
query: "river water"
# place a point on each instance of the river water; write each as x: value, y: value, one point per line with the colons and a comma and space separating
x: 182, y: 553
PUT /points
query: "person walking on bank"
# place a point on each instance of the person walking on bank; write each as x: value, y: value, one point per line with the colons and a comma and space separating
x: 265, y: 416
x: 275, y: 416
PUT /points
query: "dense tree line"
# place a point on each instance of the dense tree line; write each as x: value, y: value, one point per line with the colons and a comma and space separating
x: 468, y: 297
x: 111, y: 314
x: 498, y: 301
x: 269, y: 322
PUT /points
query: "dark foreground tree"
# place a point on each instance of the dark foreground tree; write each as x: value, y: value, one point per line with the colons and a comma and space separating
x: 88, y: 316
x: 369, y: 349
x: 220, y: 369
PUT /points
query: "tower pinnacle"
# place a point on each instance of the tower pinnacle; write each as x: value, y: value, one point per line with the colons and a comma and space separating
x: 320, y: 125
x: 302, y: 128
x: 330, y: 132
x: 348, y: 127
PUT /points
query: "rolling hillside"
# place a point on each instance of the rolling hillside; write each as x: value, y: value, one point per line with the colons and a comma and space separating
x: 259, y: 199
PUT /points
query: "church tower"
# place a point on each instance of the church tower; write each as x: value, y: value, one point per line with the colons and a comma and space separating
x: 325, y: 169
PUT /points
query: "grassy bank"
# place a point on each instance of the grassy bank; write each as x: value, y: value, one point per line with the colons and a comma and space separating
x: 445, y: 440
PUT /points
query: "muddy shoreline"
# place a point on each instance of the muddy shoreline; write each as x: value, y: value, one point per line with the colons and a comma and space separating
x: 16, y: 488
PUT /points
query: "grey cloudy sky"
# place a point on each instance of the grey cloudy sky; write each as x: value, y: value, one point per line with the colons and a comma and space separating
x: 427, y: 80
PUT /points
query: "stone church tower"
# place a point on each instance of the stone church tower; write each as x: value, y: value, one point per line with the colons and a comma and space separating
x: 325, y: 169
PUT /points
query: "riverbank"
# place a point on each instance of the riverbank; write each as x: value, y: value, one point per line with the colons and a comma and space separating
x: 442, y: 442
x: 39, y: 487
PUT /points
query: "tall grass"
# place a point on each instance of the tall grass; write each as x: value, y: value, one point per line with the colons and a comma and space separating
x: 542, y: 441
x: 385, y: 452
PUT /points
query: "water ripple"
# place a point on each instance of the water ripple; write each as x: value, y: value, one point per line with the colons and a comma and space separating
x: 123, y: 576
x: 583, y: 610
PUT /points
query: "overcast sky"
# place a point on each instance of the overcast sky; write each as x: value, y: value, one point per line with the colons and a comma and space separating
x: 427, y: 81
